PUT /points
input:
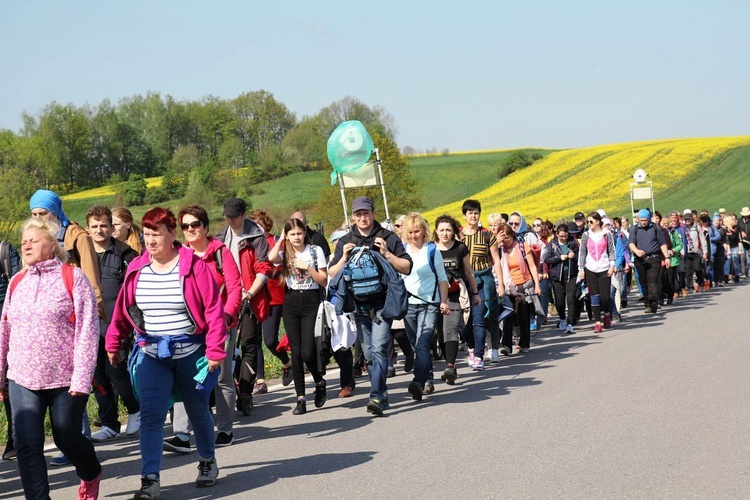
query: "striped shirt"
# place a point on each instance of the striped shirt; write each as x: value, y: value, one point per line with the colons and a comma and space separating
x: 479, y: 245
x: 159, y: 297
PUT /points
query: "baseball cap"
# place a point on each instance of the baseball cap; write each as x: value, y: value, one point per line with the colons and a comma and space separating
x: 234, y: 207
x: 362, y: 203
x: 579, y: 215
x: 674, y: 212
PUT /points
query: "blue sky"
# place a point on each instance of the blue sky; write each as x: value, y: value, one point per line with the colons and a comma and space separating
x: 457, y: 75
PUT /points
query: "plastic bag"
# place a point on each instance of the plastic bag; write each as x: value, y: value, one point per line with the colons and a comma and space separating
x: 349, y: 147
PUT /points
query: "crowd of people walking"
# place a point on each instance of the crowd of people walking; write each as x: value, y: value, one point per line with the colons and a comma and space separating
x: 172, y: 321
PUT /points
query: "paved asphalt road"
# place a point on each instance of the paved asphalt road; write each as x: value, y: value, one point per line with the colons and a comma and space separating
x: 656, y: 408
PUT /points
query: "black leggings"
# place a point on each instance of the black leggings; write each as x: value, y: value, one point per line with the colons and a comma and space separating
x: 270, y: 329
x: 300, y: 310
x: 249, y: 342
x: 599, y: 285
x: 565, y: 299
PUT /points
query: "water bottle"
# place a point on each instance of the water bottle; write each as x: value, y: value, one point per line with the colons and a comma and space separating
x: 533, y: 322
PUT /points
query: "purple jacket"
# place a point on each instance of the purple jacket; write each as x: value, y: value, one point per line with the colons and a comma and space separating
x: 201, y: 296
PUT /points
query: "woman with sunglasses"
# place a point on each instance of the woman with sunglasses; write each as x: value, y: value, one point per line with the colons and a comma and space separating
x: 194, y: 224
x: 596, y: 263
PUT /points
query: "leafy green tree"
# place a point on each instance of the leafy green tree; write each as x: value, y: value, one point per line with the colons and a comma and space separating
x: 134, y: 190
x: 260, y: 120
x: 185, y: 160
x: 517, y: 160
x: 67, y: 138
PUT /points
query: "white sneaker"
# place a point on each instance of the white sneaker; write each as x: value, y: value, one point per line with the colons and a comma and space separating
x: 134, y: 424
x: 106, y: 434
x: 569, y: 329
x: 495, y: 358
x: 470, y: 359
x: 562, y: 325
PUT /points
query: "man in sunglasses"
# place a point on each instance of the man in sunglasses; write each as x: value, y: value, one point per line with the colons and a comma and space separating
x: 247, y: 242
x: 649, y: 246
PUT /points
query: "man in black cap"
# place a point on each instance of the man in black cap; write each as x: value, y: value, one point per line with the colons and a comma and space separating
x: 580, y: 221
x: 246, y: 240
x: 374, y: 334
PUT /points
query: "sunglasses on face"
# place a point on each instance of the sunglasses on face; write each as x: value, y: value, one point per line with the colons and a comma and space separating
x: 514, y: 223
x: 195, y: 225
x: 537, y: 225
x: 592, y: 221
x: 397, y: 225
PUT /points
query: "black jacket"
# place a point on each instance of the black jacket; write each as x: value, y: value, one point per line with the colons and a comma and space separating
x: 112, y: 266
x: 555, y: 263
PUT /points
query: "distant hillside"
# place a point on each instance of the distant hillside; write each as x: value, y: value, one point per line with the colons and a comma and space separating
x: 695, y: 173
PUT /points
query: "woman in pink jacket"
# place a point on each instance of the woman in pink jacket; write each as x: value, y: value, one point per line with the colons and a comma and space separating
x: 194, y: 224
x: 48, y: 343
x: 171, y: 300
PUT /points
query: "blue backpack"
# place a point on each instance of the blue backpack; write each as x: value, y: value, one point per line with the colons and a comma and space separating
x: 363, y: 275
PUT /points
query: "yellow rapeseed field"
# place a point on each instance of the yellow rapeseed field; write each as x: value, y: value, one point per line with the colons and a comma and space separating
x: 106, y: 190
x: 597, y: 177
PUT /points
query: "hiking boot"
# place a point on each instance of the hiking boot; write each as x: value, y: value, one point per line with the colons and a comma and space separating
x: 177, y: 445
x: 450, y: 375
x: 149, y: 487
x: 261, y: 388
x: 208, y: 471
x: 429, y: 388
x: 89, y: 490
x: 506, y: 350
x: 286, y: 375
x: 415, y: 390
x: 320, y: 394
x: 60, y: 460
x: 301, y: 407
x: 134, y: 423
x: 106, y: 434
x: 245, y: 404
x: 376, y: 407
x: 10, y: 452
x: 224, y: 439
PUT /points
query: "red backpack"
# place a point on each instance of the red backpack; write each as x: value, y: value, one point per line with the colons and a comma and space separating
x: 68, y: 278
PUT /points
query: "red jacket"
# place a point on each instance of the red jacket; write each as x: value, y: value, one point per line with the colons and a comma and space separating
x: 276, y: 284
x: 253, y: 250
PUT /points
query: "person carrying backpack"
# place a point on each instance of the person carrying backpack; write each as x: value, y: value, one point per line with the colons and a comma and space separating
x: 372, y: 330
x: 49, y: 335
x: 427, y: 285
x: 649, y: 247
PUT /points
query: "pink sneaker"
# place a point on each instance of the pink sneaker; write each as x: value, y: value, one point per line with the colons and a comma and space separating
x: 597, y: 328
x: 478, y: 365
x: 89, y: 490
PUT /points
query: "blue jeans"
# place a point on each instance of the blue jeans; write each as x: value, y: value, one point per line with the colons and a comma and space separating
x: 155, y: 380
x: 420, y: 328
x: 374, y: 336
x: 479, y: 324
x: 733, y: 262
x: 66, y: 413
